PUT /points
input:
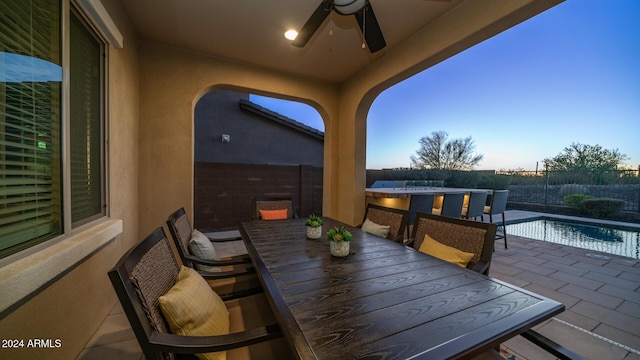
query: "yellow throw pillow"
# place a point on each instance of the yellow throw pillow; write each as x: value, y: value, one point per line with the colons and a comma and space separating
x: 445, y: 252
x: 191, y: 308
x: 186, y: 272
x: 375, y: 229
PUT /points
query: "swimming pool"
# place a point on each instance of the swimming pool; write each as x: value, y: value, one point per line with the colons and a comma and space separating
x: 624, y: 242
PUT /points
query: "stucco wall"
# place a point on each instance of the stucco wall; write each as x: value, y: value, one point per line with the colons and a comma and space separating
x: 172, y: 82
x: 73, y: 307
x: 254, y: 139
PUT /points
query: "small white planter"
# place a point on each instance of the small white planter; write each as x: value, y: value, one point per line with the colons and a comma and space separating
x: 339, y: 248
x: 314, y: 232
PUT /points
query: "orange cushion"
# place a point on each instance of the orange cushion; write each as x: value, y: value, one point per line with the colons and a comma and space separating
x: 273, y: 214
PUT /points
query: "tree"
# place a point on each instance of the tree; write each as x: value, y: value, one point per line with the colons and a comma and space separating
x: 586, y: 157
x: 436, y: 152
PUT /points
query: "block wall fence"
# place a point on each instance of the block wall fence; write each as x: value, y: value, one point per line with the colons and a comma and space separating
x: 223, y: 192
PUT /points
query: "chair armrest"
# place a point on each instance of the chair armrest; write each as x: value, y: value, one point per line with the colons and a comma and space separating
x: 227, y: 274
x: 482, y: 267
x: 223, y: 236
x: 244, y: 258
x: 202, y: 344
x: 241, y: 293
x: 233, y: 261
x: 550, y: 346
x: 216, y: 240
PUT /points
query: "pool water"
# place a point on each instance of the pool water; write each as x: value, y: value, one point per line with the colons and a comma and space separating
x: 586, y: 236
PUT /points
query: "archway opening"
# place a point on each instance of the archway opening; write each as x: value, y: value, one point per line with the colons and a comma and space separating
x: 243, y: 149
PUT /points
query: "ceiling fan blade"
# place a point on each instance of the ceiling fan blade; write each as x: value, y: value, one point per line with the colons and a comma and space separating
x: 313, y: 23
x: 372, y: 32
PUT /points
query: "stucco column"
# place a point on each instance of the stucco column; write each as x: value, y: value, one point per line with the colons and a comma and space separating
x: 345, y: 161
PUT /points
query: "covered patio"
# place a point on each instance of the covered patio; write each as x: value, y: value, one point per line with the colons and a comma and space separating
x: 169, y: 55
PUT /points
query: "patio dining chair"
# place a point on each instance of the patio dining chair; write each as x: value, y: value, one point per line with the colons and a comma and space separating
x: 233, y: 273
x: 228, y: 242
x: 451, y: 205
x: 271, y: 208
x: 158, y: 295
x: 476, y: 238
x: 472, y: 237
x: 385, y: 222
x: 497, y: 206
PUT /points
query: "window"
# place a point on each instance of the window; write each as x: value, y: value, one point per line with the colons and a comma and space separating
x: 86, y: 94
x: 48, y: 187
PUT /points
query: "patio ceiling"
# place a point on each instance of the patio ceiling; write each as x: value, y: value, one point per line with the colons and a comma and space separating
x: 252, y: 31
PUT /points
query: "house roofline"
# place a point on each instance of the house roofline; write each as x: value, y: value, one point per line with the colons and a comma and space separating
x: 281, y: 119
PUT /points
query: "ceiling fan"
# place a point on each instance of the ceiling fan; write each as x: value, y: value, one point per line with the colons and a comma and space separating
x: 363, y: 13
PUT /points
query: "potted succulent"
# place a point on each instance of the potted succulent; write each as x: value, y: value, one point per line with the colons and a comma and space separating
x: 314, y: 227
x: 339, y: 239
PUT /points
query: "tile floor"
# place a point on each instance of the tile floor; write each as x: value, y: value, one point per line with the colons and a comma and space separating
x: 602, y: 300
x: 602, y: 297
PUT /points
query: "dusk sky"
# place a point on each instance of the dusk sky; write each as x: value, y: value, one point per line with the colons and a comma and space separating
x: 570, y: 74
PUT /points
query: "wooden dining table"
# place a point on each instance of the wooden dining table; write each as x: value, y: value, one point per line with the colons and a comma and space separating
x: 384, y: 300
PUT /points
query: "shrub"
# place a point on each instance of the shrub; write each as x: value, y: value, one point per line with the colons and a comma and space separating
x: 575, y: 201
x: 462, y: 179
x: 602, y: 207
x: 496, y: 182
x: 568, y: 189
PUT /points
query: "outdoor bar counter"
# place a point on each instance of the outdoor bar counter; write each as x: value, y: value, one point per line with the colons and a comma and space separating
x: 399, y: 197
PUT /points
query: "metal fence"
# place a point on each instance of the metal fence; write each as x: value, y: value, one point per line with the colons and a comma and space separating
x: 550, y: 187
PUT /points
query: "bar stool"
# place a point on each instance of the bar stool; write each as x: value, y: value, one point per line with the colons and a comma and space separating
x: 498, y: 206
x: 475, y: 208
x: 451, y: 205
x: 419, y: 203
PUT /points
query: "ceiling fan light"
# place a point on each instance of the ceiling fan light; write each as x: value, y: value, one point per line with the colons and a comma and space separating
x: 348, y: 7
x: 291, y: 34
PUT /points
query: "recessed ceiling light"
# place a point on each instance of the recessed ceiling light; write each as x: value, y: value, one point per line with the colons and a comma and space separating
x: 291, y: 34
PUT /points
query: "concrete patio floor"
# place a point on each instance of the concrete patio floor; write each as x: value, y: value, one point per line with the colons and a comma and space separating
x: 602, y: 300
